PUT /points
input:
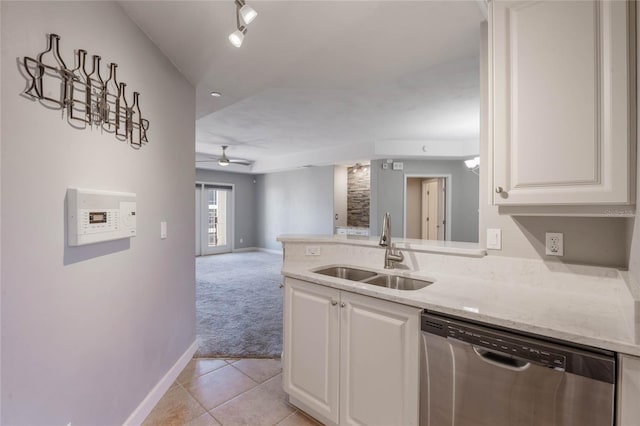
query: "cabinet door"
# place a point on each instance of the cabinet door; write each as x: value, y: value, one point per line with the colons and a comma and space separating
x: 311, y: 346
x: 629, y: 391
x: 379, y: 380
x: 562, y: 100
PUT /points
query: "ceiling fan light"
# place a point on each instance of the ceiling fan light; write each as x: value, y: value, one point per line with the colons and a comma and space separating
x: 236, y: 38
x: 473, y: 162
x: 223, y: 162
x: 248, y: 14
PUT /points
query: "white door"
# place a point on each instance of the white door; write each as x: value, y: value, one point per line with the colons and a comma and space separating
x: 213, y: 219
x: 442, y: 209
x: 379, y: 383
x: 311, y: 346
x: 430, y: 209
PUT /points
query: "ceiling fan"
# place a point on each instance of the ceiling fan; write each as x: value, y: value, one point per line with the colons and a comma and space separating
x: 223, y: 160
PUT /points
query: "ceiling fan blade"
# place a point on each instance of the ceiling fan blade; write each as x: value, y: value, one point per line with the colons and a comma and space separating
x: 238, y: 161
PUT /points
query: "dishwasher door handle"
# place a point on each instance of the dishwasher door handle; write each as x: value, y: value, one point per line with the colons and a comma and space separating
x: 501, y: 360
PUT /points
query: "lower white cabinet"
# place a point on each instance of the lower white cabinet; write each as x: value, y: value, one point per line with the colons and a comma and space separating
x: 350, y: 359
x: 628, y: 390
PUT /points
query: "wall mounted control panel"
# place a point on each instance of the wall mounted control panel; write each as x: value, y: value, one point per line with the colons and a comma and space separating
x: 94, y: 216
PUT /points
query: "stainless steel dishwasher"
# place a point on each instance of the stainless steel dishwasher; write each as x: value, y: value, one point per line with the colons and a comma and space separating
x: 475, y: 375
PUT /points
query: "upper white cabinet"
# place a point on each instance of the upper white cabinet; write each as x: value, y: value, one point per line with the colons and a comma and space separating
x: 562, y: 102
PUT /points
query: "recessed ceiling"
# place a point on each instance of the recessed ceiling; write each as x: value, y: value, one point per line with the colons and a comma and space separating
x: 323, y: 82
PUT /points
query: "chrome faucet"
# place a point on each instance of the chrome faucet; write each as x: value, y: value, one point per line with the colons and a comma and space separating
x: 391, y: 255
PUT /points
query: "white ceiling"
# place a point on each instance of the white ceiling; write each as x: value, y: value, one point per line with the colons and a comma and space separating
x: 326, y: 82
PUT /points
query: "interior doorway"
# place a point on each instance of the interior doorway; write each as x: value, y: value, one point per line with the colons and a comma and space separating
x: 427, y: 207
x: 214, y: 218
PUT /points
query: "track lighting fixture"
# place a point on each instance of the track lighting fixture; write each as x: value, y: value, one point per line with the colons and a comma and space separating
x: 247, y: 14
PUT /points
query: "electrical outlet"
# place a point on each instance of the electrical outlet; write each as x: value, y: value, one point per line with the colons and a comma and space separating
x: 312, y: 251
x: 398, y: 166
x: 554, y: 244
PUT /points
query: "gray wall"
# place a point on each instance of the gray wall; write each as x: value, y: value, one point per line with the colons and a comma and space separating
x: 294, y: 202
x: 244, y: 216
x: 88, y: 331
x: 387, y: 195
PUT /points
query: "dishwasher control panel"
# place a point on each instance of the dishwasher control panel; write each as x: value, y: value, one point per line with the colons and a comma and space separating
x: 526, y: 349
x: 530, y: 352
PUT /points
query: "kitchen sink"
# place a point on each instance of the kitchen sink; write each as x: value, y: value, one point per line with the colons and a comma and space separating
x: 398, y: 283
x: 343, y: 272
x: 373, y: 278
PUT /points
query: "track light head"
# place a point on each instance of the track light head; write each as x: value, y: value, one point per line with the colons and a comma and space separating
x: 248, y: 14
x: 236, y: 38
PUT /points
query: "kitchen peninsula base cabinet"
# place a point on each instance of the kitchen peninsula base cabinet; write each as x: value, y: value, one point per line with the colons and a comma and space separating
x: 628, y: 402
x: 348, y: 358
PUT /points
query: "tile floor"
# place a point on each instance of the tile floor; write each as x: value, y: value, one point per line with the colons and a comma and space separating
x: 228, y: 392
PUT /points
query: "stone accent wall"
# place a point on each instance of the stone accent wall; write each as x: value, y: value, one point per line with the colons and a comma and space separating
x: 358, y: 197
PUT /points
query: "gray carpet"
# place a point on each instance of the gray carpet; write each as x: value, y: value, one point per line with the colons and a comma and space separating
x: 239, y: 305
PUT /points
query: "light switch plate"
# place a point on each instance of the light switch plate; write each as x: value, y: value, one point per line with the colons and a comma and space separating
x: 494, y: 238
x: 163, y: 230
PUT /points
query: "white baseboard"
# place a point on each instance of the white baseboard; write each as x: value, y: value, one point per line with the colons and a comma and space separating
x: 149, y: 402
x: 244, y: 249
x: 266, y: 250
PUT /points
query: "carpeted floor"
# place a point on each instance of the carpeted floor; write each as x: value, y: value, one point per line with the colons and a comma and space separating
x: 239, y: 305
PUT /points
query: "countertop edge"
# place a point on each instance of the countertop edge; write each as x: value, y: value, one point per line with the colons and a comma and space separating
x: 446, y: 247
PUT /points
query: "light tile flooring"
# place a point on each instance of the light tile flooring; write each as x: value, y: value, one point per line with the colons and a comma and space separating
x: 228, y: 392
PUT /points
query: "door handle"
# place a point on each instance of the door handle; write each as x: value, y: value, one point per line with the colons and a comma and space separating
x: 501, y: 360
x: 334, y: 302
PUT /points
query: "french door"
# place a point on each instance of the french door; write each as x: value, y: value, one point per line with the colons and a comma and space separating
x: 214, y: 212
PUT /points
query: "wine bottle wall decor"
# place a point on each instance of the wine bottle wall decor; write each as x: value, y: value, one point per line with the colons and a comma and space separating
x: 88, y: 98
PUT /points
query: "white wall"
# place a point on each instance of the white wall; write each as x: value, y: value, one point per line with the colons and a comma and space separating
x: 634, y: 225
x: 88, y: 331
x: 294, y: 202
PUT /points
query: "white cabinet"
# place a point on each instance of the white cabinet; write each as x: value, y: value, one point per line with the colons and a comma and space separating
x: 312, y: 346
x: 628, y: 391
x: 350, y: 359
x: 563, y: 99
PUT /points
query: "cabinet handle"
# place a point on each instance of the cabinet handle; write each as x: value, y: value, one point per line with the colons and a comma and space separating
x: 342, y: 305
x: 334, y: 302
x: 281, y: 285
x: 499, y: 190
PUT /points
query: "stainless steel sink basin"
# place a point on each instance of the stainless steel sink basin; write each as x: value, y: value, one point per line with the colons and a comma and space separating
x: 352, y: 274
x: 398, y: 283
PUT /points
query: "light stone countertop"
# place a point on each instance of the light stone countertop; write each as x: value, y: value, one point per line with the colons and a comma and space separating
x: 427, y: 246
x: 590, y: 306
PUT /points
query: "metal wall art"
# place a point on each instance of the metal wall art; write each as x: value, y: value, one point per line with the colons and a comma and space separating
x: 87, y: 97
